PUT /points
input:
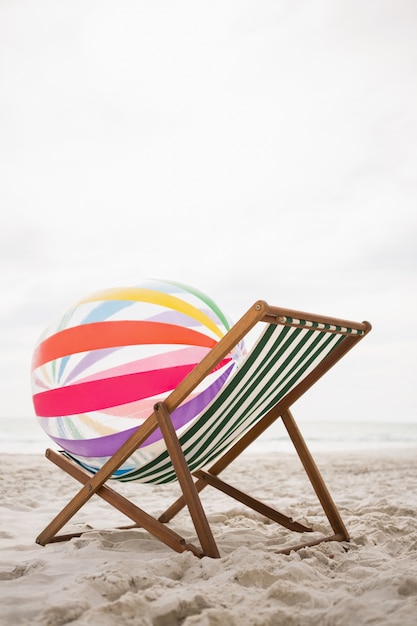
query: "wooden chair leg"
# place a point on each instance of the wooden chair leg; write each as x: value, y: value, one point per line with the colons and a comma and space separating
x: 96, y: 481
x: 186, y: 482
x: 125, y: 506
x: 315, y: 477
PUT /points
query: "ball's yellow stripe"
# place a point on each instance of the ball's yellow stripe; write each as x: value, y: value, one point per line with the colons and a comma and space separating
x: 138, y: 294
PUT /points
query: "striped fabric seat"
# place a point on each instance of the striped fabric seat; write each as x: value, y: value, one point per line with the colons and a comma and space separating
x: 292, y: 352
x: 279, y: 361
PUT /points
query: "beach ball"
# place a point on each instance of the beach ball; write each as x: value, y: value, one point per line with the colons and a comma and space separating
x: 98, y: 370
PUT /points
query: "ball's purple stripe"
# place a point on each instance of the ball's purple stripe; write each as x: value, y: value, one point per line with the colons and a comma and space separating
x: 87, y: 361
x: 106, y: 446
x: 174, y: 317
x: 181, y: 319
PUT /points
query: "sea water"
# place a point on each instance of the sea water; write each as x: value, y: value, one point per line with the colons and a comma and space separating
x: 25, y: 436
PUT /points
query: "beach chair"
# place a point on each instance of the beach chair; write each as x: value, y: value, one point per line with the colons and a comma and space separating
x: 292, y: 352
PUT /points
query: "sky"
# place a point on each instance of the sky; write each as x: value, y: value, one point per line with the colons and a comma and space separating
x: 252, y: 149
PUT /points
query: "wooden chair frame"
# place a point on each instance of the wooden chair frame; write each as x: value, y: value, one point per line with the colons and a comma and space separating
x: 190, y: 488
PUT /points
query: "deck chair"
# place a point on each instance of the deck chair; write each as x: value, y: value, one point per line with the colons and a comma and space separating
x: 292, y: 352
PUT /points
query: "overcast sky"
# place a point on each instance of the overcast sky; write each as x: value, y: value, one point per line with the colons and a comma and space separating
x: 260, y: 149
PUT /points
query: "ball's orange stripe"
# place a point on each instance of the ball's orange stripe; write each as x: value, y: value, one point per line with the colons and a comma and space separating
x: 99, y: 335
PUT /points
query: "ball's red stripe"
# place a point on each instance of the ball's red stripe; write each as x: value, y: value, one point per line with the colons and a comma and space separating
x: 100, y: 394
x: 101, y: 335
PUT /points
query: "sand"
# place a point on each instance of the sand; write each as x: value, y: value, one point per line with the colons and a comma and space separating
x: 127, y: 577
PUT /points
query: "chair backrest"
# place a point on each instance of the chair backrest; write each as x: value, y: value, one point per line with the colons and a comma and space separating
x: 289, y: 356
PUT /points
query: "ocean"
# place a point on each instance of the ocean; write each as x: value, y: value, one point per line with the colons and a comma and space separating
x: 25, y: 436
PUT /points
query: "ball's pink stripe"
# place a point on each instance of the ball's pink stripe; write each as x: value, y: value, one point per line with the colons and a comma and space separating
x: 138, y: 410
x: 102, y: 394
x: 159, y: 361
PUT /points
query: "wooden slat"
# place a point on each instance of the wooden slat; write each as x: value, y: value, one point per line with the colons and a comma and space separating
x: 252, y: 503
x: 276, y: 315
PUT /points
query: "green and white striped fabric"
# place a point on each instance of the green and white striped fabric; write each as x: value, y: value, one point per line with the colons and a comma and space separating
x: 282, y: 357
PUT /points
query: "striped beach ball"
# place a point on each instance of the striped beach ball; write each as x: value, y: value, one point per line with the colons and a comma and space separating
x: 100, y: 368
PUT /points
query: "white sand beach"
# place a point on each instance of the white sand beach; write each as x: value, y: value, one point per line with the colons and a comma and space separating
x: 108, y: 577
